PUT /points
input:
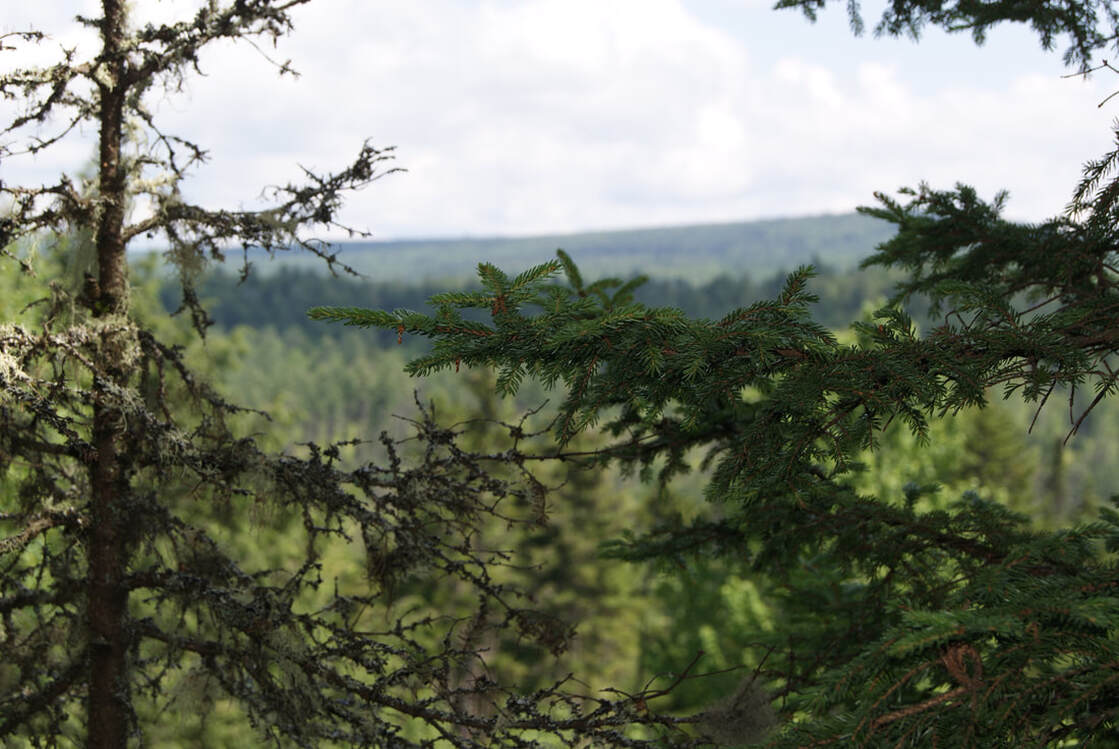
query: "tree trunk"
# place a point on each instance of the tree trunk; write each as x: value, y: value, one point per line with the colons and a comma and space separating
x: 109, y: 708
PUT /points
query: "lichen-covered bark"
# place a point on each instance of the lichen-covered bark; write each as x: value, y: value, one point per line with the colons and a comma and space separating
x: 108, y: 598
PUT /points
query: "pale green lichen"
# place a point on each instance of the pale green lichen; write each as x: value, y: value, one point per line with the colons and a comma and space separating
x: 115, y: 338
x: 11, y: 369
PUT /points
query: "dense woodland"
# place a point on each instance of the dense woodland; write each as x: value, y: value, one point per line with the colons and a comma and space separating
x: 332, y: 384
x: 280, y: 298
x: 269, y: 310
x: 543, y: 508
x: 329, y: 384
x: 760, y: 248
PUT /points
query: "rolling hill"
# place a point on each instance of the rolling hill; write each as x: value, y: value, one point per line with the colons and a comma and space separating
x: 696, y: 253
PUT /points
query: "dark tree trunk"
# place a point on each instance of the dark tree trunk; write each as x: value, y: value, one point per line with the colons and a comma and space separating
x: 112, y: 270
x: 108, y: 599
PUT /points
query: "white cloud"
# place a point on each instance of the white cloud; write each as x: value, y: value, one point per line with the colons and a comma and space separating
x: 523, y: 116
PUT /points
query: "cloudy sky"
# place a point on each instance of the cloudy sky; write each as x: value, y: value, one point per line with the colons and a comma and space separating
x: 546, y: 116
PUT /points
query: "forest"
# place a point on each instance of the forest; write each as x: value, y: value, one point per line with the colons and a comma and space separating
x: 761, y: 247
x: 552, y: 504
x: 306, y: 383
x: 269, y: 310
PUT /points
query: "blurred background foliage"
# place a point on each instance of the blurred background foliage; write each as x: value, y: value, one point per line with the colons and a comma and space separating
x: 633, y: 624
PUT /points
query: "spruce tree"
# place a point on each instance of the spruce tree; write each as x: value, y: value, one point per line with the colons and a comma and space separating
x: 895, y: 624
x: 128, y: 589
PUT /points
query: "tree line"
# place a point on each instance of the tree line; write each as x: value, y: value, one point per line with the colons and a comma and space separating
x: 281, y: 298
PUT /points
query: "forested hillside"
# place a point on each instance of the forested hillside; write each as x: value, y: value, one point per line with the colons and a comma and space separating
x: 335, y: 382
x: 695, y: 253
x: 280, y: 299
x: 330, y: 384
x: 325, y: 385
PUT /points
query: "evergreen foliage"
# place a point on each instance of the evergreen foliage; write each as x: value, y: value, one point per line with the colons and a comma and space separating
x: 959, y: 623
x: 897, y: 620
x: 1091, y: 25
x: 141, y: 574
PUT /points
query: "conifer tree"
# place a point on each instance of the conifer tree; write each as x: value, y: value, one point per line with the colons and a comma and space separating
x: 124, y: 592
x: 894, y: 624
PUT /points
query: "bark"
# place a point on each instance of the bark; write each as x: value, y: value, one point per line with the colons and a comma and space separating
x: 112, y: 270
x: 108, y: 703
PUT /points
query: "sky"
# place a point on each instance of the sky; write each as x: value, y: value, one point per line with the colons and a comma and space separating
x: 521, y: 117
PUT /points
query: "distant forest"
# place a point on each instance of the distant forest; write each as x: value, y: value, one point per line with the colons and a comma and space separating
x: 281, y: 299
x: 337, y: 381
x: 697, y: 253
